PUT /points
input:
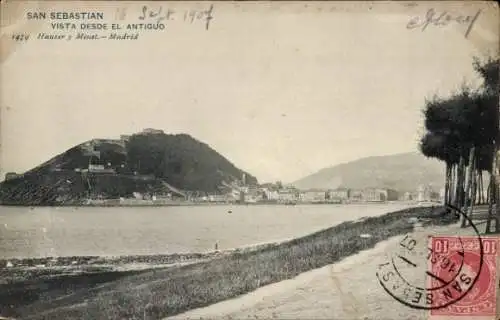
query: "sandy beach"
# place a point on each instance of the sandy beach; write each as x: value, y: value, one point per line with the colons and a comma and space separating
x: 348, y: 289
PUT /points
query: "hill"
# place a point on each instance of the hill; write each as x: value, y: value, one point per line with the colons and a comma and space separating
x: 403, y: 172
x: 144, y: 162
x: 182, y: 161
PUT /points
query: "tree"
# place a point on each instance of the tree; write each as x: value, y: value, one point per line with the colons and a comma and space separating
x: 447, y: 125
x: 462, y: 130
x: 279, y: 185
x: 489, y: 71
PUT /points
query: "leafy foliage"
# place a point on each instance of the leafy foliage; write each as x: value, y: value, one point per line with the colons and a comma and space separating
x: 489, y: 71
x: 441, y: 146
x: 465, y: 119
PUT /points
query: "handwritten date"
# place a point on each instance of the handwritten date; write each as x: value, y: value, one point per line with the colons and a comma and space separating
x: 159, y: 14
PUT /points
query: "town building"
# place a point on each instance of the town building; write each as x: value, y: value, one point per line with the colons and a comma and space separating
x: 125, y: 137
x: 391, y: 194
x: 379, y: 195
x: 270, y: 194
x: 373, y: 195
x: 253, y: 194
x: 408, y: 196
x: 356, y: 195
x: 218, y: 198
x: 426, y: 193
x: 10, y: 175
x: 340, y: 194
x: 152, y: 131
x: 287, y: 195
x: 313, y: 195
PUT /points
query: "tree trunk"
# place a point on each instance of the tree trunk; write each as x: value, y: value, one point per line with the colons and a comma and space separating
x: 474, y: 189
x: 447, y: 183
x: 494, y: 190
x: 480, y: 187
x: 496, y: 170
x: 451, y: 192
x: 449, y: 199
x: 459, y: 190
x: 491, y: 197
x: 488, y: 193
x: 462, y: 187
x: 468, y: 188
x: 455, y: 190
x: 452, y: 184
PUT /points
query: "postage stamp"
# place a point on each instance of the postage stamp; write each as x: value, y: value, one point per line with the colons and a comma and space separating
x: 446, y: 253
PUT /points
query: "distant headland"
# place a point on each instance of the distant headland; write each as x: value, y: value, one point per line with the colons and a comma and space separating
x: 152, y: 168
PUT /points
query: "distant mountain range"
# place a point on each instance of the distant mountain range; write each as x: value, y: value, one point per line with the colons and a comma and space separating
x: 402, y: 172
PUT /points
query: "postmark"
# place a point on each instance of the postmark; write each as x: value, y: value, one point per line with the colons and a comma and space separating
x: 439, y: 273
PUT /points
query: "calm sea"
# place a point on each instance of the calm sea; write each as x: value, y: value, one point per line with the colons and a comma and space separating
x: 69, y: 231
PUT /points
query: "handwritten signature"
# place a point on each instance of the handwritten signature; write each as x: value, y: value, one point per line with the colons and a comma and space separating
x: 443, y: 19
x: 158, y: 15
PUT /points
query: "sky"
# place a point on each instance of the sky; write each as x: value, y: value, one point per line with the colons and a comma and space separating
x: 281, y: 90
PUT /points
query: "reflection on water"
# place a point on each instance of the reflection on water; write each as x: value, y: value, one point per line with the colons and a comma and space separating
x: 69, y: 231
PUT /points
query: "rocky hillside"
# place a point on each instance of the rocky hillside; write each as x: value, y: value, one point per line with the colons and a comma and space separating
x: 403, y: 172
x: 143, y: 162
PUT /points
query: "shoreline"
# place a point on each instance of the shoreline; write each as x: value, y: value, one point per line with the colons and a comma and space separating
x: 198, y: 204
x: 165, y: 292
x: 18, y: 269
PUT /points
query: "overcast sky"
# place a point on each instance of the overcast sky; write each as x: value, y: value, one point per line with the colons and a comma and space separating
x: 280, y: 90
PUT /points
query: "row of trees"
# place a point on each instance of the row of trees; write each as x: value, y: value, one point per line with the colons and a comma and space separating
x: 462, y: 130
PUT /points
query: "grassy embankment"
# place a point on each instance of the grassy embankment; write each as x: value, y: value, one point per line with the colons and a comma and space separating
x: 164, y: 292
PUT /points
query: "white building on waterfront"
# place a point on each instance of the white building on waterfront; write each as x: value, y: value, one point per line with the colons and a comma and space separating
x: 427, y: 193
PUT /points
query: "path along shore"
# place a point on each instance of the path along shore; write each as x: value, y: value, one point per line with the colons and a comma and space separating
x: 348, y: 289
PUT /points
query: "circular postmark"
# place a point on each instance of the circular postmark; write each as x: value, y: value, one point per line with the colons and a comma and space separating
x: 436, y: 276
